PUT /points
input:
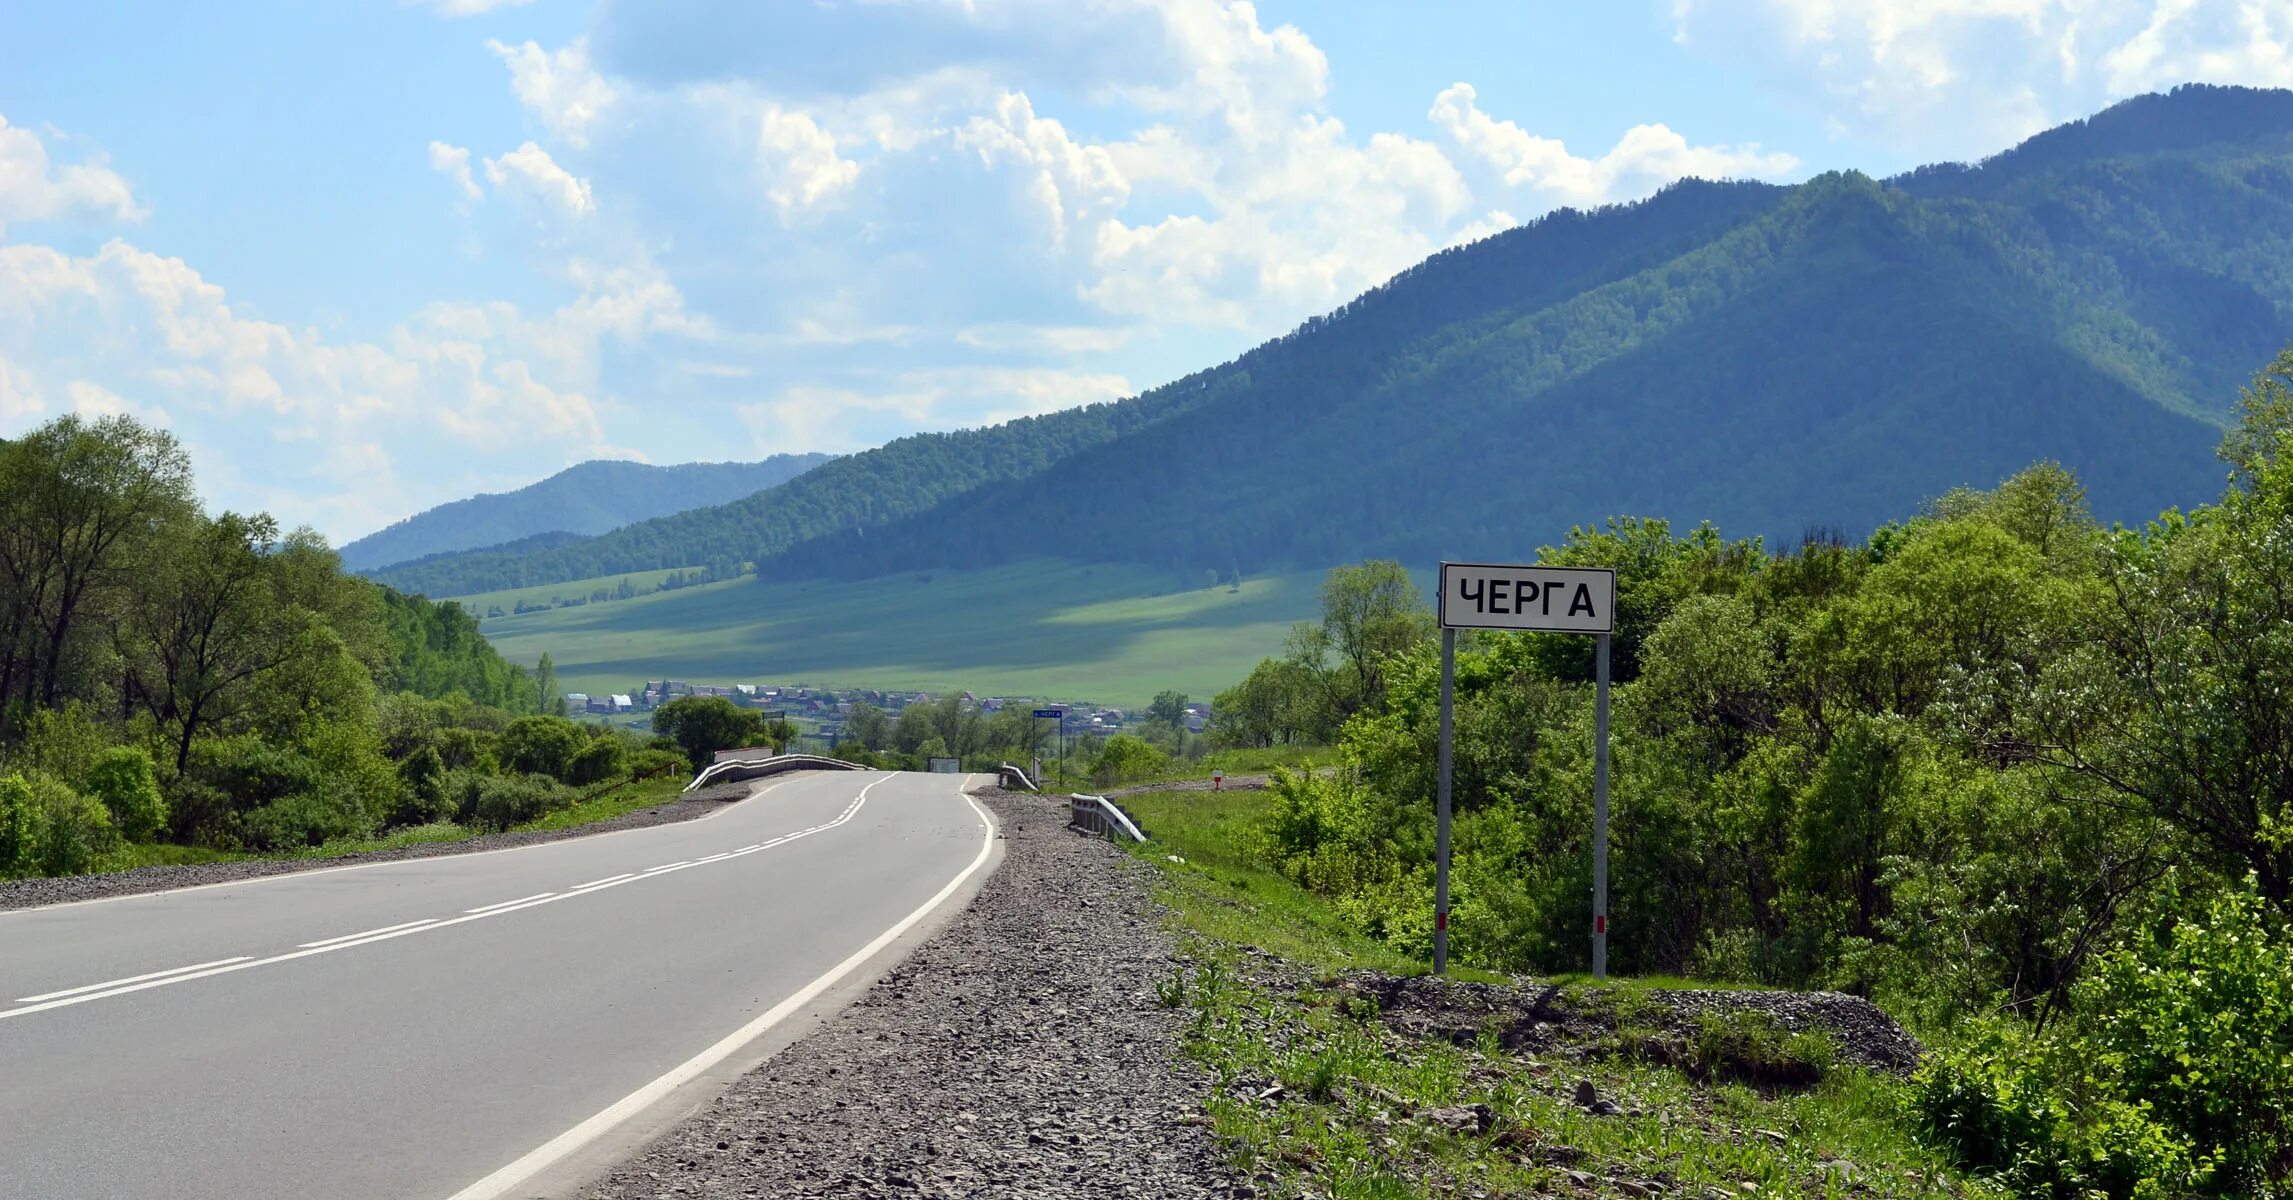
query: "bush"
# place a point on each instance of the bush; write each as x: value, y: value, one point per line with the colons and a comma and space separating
x: 66, y: 833
x: 2174, y: 1076
x: 1127, y: 756
x: 540, y: 745
x: 305, y: 819
x: 123, y: 780
x: 601, y: 760
x: 508, y: 800
x: 15, y: 825
x: 422, y: 789
x: 654, y: 760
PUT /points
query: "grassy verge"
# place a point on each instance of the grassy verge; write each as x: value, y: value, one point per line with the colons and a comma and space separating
x: 625, y: 799
x: 1321, y: 1091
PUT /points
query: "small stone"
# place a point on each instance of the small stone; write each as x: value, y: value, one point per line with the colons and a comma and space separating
x: 1771, y: 1135
x: 1586, y: 1096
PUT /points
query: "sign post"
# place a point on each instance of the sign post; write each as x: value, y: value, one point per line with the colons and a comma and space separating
x: 1538, y: 599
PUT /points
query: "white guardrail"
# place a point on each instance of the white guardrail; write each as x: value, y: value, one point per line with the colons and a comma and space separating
x: 1099, y: 815
x: 1006, y: 775
x: 733, y: 770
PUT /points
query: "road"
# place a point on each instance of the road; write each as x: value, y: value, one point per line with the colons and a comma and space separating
x: 441, y: 1027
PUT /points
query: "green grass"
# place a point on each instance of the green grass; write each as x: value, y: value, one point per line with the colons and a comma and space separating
x: 1346, y: 1123
x: 550, y: 593
x: 1115, y: 634
x: 625, y: 799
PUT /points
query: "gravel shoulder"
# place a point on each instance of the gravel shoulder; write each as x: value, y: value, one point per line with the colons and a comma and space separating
x: 32, y: 893
x: 1020, y: 1052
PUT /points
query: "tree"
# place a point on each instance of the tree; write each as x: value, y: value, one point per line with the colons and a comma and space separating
x: 546, y: 699
x: 1370, y: 612
x: 75, y: 496
x: 868, y: 725
x: 703, y: 725
x: 1168, y: 708
x: 122, y: 779
x: 541, y: 745
x: 1273, y: 706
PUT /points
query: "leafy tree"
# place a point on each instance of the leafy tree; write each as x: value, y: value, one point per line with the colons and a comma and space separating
x: 541, y: 745
x: 1370, y: 612
x: 1274, y: 706
x: 703, y: 725
x: 1127, y: 756
x: 868, y: 725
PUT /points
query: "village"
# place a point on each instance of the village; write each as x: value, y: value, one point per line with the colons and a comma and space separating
x: 820, y: 712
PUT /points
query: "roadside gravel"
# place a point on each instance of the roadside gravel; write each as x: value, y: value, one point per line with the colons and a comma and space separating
x: 1019, y: 1053
x: 32, y: 893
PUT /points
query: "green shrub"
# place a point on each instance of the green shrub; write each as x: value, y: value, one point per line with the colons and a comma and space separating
x: 540, y: 745
x: 422, y: 796
x: 1126, y: 756
x: 598, y: 762
x: 16, y: 819
x: 507, y: 800
x: 305, y: 819
x: 123, y: 779
x: 70, y: 833
x: 655, y: 760
x: 2173, y: 1077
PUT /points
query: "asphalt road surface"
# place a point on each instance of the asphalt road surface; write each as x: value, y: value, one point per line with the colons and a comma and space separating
x: 444, y: 1027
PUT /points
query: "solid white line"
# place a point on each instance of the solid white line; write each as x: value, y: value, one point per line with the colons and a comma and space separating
x: 487, y: 908
x: 427, y: 860
x: 602, y: 882
x: 227, y: 966
x: 369, y: 933
x: 94, y: 987
x: 669, y: 866
x: 502, y: 1182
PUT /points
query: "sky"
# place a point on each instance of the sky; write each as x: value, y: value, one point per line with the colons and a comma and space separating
x: 368, y: 256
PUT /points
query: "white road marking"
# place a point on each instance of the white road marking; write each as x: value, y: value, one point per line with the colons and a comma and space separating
x: 369, y: 933
x: 713, y: 858
x: 487, y: 908
x: 669, y: 866
x: 121, y: 987
x: 504, y: 1182
x: 92, y: 987
x: 602, y: 882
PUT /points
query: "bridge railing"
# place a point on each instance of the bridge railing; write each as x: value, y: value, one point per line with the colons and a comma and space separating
x: 1101, y: 816
x: 734, y: 770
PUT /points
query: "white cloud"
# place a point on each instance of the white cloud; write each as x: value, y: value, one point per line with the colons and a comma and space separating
x: 464, y: 8
x: 530, y: 170
x: 848, y: 417
x: 33, y: 188
x: 1966, y: 77
x: 125, y: 330
x: 799, y: 161
x: 454, y: 163
x: 1647, y: 157
x: 559, y: 88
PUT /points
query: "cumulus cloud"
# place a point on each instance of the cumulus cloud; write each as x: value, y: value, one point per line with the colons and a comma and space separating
x: 125, y: 330
x: 454, y: 163
x: 1646, y: 157
x: 530, y: 171
x: 838, y: 418
x: 798, y: 160
x: 34, y: 188
x: 558, y: 87
x: 1967, y: 76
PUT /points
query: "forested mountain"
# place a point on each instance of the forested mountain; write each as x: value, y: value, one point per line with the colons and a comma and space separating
x: 1769, y: 358
x: 587, y: 498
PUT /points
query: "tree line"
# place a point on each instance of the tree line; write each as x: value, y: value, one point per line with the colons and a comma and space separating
x: 174, y: 676
x: 2020, y: 776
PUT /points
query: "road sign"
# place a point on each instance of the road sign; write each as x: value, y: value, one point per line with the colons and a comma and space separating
x: 1526, y: 596
x: 774, y: 714
x: 1545, y: 599
x: 1049, y: 714
x: 946, y: 766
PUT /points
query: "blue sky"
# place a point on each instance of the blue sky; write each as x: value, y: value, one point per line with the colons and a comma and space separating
x: 368, y: 256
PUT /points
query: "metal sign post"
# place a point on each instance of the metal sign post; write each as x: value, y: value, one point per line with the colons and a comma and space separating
x: 1059, y: 715
x: 1539, y: 599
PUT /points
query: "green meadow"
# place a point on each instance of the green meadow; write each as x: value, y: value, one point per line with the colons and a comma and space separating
x: 550, y: 593
x: 1116, y: 634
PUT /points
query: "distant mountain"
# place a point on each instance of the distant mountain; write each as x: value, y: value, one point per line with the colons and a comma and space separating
x: 586, y: 499
x: 1769, y: 358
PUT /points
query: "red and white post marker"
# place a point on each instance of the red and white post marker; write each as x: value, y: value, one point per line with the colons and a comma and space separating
x: 1218, y: 781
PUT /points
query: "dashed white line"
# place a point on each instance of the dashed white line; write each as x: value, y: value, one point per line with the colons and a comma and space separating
x: 487, y: 908
x: 226, y: 966
x: 712, y: 858
x: 94, y: 987
x: 669, y: 866
x: 354, y: 936
x: 602, y: 882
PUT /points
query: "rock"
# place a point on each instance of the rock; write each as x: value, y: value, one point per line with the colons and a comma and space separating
x: 1586, y: 1094
x: 1605, y: 1108
x: 1462, y: 1118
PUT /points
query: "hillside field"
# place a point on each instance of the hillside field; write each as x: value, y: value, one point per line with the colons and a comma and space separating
x: 548, y: 593
x: 1114, y: 634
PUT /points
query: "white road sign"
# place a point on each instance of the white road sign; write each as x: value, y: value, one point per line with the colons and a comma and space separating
x: 1547, y: 599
